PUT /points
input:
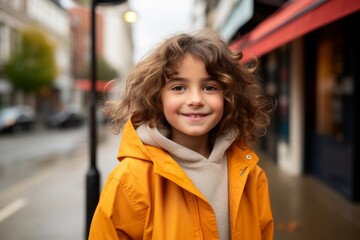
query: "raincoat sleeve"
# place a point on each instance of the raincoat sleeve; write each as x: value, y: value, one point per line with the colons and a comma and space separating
x: 265, y: 213
x: 115, y: 216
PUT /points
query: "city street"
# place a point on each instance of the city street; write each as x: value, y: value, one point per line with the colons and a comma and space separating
x: 49, y: 203
x: 61, y: 58
x: 24, y: 153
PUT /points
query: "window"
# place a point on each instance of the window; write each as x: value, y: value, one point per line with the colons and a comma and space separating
x: 332, y: 87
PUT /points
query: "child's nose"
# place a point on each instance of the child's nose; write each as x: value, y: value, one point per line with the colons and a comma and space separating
x: 195, y: 98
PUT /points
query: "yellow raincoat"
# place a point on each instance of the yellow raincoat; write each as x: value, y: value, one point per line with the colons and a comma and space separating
x: 148, y: 196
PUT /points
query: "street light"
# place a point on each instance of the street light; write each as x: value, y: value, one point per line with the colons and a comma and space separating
x: 93, y: 176
x: 130, y: 16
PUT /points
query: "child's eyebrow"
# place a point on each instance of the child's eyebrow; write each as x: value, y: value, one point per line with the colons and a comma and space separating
x: 169, y: 80
x: 186, y: 79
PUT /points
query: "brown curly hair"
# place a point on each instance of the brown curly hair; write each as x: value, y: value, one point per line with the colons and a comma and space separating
x: 246, y: 108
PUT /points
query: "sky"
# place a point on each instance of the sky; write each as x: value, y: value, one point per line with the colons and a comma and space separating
x: 157, y: 19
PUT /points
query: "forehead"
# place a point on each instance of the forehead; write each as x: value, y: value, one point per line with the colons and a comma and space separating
x: 190, y: 64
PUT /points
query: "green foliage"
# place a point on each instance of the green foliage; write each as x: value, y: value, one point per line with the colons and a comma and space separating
x: 104, y: 70
x: 83, y: 2
x: 32, y: 64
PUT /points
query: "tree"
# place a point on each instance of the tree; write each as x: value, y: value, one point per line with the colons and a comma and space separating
x: 32, y: 64
x: 83, y: 2
x: 105, y: 71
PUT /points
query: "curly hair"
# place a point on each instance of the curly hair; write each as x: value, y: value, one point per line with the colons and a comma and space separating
x: 246, y: 108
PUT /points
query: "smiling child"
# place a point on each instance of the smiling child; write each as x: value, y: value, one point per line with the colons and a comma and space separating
x: 189, y: 118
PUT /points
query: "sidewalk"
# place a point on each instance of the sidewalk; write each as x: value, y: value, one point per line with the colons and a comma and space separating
x: 54, y: 202
x: 304, y: 208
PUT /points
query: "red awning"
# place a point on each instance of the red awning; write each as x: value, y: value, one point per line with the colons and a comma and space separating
x: 85, y: 85
x: 292, y: 21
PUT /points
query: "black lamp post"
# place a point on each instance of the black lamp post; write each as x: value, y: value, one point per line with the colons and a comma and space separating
x: 93, y: 176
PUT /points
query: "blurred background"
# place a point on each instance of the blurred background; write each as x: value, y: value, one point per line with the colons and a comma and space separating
x: 308, y: 61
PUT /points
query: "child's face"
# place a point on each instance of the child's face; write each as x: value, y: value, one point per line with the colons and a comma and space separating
x: 193, y: 102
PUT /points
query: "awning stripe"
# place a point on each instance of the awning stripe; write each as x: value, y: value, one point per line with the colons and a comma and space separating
x: 293, y: 20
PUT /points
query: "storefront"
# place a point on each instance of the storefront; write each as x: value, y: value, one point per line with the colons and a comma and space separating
x: 332, y: 75
x: 309, y: 54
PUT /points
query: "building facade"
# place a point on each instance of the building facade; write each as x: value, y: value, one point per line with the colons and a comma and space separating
x: 80, y: 37
x: 113, y: 45
x: 51, y: 18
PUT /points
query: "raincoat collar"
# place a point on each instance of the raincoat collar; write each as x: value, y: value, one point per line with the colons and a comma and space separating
x: 131, y: 146
x: 241, y: 161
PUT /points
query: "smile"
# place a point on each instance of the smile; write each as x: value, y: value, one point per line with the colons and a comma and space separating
x: 195, y: 115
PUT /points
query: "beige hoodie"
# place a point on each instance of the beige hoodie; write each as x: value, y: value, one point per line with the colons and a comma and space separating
x: 209, y: 175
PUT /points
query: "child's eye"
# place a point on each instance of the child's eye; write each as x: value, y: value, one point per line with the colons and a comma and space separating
x: 178, y: 88
x: 210, y: 88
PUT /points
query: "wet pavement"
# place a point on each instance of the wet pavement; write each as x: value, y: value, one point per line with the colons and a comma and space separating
x: 305, y: 208
x: 51, y: 204
x: 24, y: 154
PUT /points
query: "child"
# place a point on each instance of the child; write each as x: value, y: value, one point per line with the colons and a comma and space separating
x: 186, y: 170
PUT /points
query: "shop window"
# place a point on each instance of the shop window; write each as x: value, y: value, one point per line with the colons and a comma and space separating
x: 331, y: 88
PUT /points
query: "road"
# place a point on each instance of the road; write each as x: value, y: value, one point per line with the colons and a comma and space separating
x: 27, y: 146
x: 49, y: 202
x: 25, y: 153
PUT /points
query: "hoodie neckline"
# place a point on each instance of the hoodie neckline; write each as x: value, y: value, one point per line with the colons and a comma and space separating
x: 158, y: 137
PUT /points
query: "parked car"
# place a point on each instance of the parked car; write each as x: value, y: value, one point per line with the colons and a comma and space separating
x: 19, y: 117
x: 70, y: 116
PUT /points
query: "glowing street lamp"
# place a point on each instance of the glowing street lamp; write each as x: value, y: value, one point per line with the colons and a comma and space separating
x: 130, y: 16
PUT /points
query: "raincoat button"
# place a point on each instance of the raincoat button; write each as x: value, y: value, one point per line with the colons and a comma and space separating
x: 248, y: 157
